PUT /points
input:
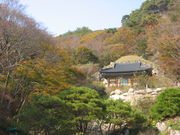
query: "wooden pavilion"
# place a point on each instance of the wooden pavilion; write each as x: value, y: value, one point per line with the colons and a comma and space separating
x: 123, y: 74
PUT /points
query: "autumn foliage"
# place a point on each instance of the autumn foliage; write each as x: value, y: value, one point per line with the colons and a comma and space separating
x: 51, y: 82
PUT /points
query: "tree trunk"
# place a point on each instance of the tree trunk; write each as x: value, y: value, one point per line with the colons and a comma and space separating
x: 109, y: 128
x: 100, y: 126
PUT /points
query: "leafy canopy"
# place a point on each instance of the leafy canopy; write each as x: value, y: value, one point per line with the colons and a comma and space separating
x: 85, y: 103
x: 85, y: 55
x: 78, y: 32
x: 167, y: 104
x: 46, y: 114
x: 122, y: 114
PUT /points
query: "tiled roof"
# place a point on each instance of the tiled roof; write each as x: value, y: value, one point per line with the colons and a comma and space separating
x: 126, y: 67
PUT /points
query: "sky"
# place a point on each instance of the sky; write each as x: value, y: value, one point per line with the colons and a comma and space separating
x: 60, y: 16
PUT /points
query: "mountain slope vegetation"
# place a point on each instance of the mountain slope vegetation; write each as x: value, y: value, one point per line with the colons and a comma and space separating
x: 151, y: 32
x: 48, y: 85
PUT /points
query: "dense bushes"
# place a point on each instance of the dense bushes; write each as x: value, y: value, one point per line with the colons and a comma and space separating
x: 70, y: 112
x: 167, y: 104
x: 120, y: 115
x: 147, y: 14
x: 84, y: 55
x: 76, y: 110
x: 85, y: 104
x: 78, y: 32
x: 46, y: 115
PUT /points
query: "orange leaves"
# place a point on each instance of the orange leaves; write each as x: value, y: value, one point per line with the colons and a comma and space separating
x: 164, y: 43
x: 176, y: 38
x: 91, y: 36
x: 124, y: 35
x: 120, y: 43
x: 45, y: 77
x: 118, y: 49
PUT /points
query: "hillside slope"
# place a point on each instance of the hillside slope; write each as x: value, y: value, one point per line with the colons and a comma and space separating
x: 152, y: 32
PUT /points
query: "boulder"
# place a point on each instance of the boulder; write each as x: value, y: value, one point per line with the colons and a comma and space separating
x: 112, y: 93
x: 154, y: 93
x: 161, y: 126
x: 125, y: 94
x: 159, y: 89
x: 118, y: 92
x: 116, y: 97
x: 173, y: 132
x: 140, y: 92
x: 148, y: 90
x: 131, y: 90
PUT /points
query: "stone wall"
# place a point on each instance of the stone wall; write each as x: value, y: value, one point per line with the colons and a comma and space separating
x: 133, y: 96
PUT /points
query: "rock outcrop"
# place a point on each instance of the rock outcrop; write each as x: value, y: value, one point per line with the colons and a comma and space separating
x: 133, y: 96
x: 164, y: 127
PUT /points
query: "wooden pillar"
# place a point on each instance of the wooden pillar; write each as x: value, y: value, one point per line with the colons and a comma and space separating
x: 116, y: 82
x: 108, y: 82
x: 129, y: 82
x: 132, y: 84
x: 120, y: 81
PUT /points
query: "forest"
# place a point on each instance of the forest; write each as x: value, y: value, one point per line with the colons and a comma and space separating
x: 49, y: 85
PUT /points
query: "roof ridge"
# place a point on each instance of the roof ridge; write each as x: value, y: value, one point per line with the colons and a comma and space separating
x: 128, y: 62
